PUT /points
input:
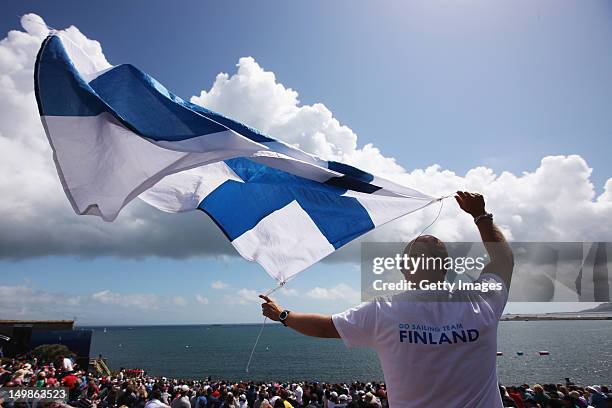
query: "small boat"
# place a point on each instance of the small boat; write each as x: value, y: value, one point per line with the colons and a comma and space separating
x: 544, y: 353
x: 500, y: 353
x: 519, y: 353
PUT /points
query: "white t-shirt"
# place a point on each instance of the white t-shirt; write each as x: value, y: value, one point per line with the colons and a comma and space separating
x: 432, y: 353
x: 155, y: 403
x: 299, y: 393
x: 67, y: 364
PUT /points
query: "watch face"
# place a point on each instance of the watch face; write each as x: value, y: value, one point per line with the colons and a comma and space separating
x: 283, y: 315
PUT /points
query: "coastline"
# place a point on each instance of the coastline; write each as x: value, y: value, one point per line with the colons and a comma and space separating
x: 555, y: 317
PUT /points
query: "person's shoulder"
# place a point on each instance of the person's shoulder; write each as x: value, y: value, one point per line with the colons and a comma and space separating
x: 376, y: 303
x: 365, y: 308
x: 495, y: 283
x: 488, y: 277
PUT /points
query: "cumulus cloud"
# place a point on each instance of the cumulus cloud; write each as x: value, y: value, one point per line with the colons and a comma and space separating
x: 312, y: 127
x: 24, y: 301
x: 288, y: 292
x: 144, y: 301
x: 36, y: 219
x: 556, y: 201
x: 218, y: 284
x: 179, y: 301
x: 201, y: 299
x: 340, y: 292
x: 20, y: 301
x: 243, y: 296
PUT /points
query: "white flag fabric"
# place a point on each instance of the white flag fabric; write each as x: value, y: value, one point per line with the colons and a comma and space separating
x: 118, y: 134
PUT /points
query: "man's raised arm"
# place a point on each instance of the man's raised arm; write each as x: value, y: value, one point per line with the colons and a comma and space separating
x: 314, y: 325
x: 502, y: 260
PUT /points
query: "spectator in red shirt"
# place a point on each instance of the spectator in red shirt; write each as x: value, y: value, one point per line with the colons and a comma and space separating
x: 71, y: 381
x: 92, y: 390
x: 516, y: 397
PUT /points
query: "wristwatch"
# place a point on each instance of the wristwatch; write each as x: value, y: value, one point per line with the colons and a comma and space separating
x: 486, y: 215
x: 283, y: 316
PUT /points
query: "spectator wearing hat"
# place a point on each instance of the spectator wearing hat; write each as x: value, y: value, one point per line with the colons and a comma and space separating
x: 230, y: 401
x: 181, y: 400
x: 371, y: 401
x: 597, y: 399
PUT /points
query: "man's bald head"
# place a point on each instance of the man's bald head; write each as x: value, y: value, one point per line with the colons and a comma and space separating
x: 430, y: 248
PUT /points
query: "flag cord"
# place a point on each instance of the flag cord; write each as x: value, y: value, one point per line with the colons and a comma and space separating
x: 255, y: 345
x: 441, y: 200
x: 274, y: 289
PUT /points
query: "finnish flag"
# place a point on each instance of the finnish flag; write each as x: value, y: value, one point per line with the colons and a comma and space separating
x: 118, y: 134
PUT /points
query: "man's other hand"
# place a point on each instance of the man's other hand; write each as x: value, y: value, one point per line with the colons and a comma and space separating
x: 270, y: 309
x: 471, y: 203
x: 315, y: 325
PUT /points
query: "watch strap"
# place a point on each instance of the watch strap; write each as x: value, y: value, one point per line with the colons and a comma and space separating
x: 488, y: 216
x: 283, y: 317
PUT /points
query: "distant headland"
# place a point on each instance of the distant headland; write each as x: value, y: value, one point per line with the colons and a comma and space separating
x: 601, y: 312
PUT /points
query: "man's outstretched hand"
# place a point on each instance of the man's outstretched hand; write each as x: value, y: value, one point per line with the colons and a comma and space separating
x: 270, y: 309
x: 315, y: 325
x: 471, y: 203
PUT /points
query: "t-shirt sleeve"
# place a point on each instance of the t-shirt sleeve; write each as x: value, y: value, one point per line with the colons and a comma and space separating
x: 496, y: 299
x: 356, y: 326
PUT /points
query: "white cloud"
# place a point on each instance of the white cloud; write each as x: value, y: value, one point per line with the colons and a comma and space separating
x: 288, y: 292
x: 202, y: 300
x: 243, y: 296
x: 144, y: 301
x: 25, y: 301
x: 267, y: 105
x: 100, y: 307
x: 340, y: 292
x: 35, y: 216
x: 179, y: 301
x: 218, y: 284
x: 556, y: 201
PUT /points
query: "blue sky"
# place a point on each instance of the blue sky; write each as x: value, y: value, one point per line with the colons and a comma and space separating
x: 460, y: 84
x: 498, y: 83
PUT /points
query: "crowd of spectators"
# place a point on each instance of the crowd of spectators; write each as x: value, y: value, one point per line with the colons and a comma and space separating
x: 129, y: 388
x: 556, y: 396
